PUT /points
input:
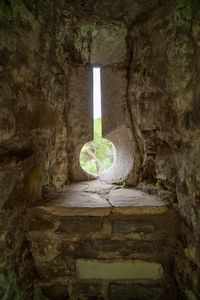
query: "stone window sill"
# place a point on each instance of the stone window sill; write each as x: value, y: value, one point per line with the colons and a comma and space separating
x: 95, y: 198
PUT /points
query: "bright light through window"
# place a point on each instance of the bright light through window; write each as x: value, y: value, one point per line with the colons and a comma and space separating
x: 97, y: 156
x: 97, y: 92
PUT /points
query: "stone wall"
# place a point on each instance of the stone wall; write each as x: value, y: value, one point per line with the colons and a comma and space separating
x: 32, y: 129
x: 39, y: 43
x: 164, y: 96
x: 109, y: 253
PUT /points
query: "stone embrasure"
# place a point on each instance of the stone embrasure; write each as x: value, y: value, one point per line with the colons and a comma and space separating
x: 149, y: 52
x: 97, y: 232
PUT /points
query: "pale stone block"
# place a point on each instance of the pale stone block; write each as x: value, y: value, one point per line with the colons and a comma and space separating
x: 129, y: 269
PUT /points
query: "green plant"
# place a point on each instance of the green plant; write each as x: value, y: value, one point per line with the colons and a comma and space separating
x: 98, y: 155
x: 159, y: 183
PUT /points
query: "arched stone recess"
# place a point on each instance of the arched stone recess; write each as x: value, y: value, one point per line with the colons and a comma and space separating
x: 79, y: 118
x: 107, y: 48
x: 116, y: 122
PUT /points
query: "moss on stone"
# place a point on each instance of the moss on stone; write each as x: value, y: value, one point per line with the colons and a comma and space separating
x: 4, y: 11
x: 190, y: 252
x: 188, y: 7
x: 184, y: 3
x: 190, y: 295
x: 8, y: 288
x: 18, y: 9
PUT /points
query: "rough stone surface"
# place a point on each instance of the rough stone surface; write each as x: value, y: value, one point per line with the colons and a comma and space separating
x: 57, y: 291
x: 103, y: 199
x: 87, y: 290
x: 153, y: 47
x: 164, y: 99
x: 136, y: 291
x: 89, y: 245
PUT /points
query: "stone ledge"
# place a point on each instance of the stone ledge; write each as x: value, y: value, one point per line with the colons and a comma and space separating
x: 124, y: 234
x: 94, y: 199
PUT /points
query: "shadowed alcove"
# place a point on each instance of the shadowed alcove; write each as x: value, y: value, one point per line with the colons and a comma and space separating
x: 108, y: 50
x: 133, y: 234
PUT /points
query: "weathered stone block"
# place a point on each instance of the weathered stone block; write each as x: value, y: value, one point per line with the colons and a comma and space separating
x: 60, y: 266
x: 114, y: 38
x: 127, y: 269
x: 81, y: 248
x: 88, y: 290
x: 43, y: 245
x: 124, y: 248
x: 56, y: 291
x: 132, y: 225
x: 188, y: 276
x: 79, y: 225
x: 95, y: 248
x: 7, y: 124
x: 135, y: 291
x: 39, y: 224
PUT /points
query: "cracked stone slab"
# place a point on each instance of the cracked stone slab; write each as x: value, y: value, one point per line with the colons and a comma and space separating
x: 130, y: 201
x: 88, y: 198
x: 99, y: 187
x: 77, y: 203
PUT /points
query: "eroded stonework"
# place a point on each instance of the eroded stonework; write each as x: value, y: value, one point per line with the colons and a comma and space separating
x: 96, y: 234
x: 154, y: 49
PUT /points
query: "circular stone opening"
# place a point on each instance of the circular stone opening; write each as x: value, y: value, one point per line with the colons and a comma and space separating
x: 97, y: 157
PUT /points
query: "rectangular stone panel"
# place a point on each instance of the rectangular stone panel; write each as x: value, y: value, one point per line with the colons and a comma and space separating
x: 87, y: 289
x: 135, y: 291
x: 79, y: 225
x: 124, y: 247
x: 132, y: 225
x: 113, y: 270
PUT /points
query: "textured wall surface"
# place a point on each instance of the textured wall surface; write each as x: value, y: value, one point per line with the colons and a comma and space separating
x: 106, y: 251
x: 32, y: 129
x: 165, y: 97
x: 41, y: 42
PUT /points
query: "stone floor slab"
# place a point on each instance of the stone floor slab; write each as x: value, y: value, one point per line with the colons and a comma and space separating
x: 97, y: 198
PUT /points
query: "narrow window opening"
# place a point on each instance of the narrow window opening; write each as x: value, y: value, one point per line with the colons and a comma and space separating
x: 97, y: 156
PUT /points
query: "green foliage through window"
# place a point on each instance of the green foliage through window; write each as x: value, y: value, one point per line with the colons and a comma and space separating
x: 98, y: 155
